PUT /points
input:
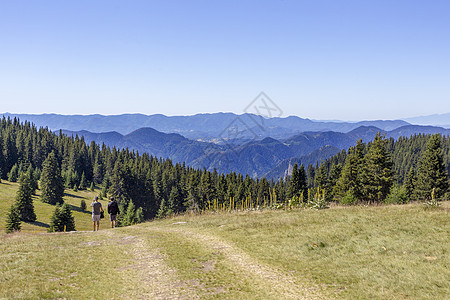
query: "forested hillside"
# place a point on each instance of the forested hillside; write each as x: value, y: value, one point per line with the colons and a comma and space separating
x: 158, y: 187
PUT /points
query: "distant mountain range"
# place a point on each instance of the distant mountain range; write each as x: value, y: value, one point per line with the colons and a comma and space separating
x: 267, y: 157
x: 228, y: 142
x: 207, y: 127
x: 441, y: 120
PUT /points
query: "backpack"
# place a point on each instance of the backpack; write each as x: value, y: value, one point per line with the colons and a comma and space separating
x: 113, y: 208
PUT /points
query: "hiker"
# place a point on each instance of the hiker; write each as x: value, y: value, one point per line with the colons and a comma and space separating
x: 97, y: 209
x: 113, y: 211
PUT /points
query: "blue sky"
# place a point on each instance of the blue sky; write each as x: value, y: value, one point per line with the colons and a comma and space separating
x: 346, y: 60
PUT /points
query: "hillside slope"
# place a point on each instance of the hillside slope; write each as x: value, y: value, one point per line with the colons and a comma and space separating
x: 384, y: 252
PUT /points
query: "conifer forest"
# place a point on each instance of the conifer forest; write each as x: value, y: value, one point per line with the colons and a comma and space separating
x: 381, y: 171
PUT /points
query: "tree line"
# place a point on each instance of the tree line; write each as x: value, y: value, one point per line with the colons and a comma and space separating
x: 148, y: 187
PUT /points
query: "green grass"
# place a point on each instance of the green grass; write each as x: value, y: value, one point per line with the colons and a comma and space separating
x: 379, y: 252
x: 44, y: 211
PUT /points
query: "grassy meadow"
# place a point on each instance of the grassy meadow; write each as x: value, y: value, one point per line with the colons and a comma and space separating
x: 44, y: 211
x: 375, y: 252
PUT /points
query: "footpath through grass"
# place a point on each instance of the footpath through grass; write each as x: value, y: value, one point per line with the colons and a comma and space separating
x: 385, y: 252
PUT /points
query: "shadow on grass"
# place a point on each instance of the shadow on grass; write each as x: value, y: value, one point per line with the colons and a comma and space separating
x: 76, y: 208
x: 40, y: 224
x: 66, y: 194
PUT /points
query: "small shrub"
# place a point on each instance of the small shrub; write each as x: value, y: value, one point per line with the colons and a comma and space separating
x: 398, y: 195
x: 83, y: 204
x: 348, y: 199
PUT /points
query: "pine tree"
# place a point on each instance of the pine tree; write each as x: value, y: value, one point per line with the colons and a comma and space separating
x: 13, y: 174
x: 294, y: 187
x: 302, y: 181
x: 62, y: 219
x: 432, y: 173
x: 377, y: 173
x: 175, y: 200
x: 67, y: 218
x: 55, y: 220
x: 83, y: 182
x: 130, y: 217
x: 163, y: 209
x: 410, y: 183
x: 297, y: 183
x: 30, y: 175
x: 24, y: 200
x: 51, y: 181
x: 13, y: 220
x: 349, y: 182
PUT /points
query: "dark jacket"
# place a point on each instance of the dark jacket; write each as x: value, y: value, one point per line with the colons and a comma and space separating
x: 113, y: 208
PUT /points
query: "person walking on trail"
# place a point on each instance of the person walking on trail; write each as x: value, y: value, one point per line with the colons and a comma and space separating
x: 97, y: 209
x: 113, y: 211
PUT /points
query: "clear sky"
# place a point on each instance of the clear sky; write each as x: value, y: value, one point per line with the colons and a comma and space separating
x: 346, y: 60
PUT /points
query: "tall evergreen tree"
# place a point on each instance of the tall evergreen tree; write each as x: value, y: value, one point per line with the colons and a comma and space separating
x: 83, y: 182
x: 13, y: 173
x: 13, y: 220
x: 31, y: 177
x: 432, y: 173
x: 297, y: 183
x: 410, y: 183
x: 349, y: 182
x: 130, y: 217
x: 24, y: 200
x: 51, y: 181
x: 377, y: 171
x: 67, y: 218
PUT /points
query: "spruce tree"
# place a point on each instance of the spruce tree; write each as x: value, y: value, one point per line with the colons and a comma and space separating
x: 13, y: 220
x: 302, y: 181
x: 163, y: 209
x: 30, y: 175
x: 51, y: 181
x: 130, y: 218
x: 432, y: 173
x: 13, y: 173
x: 297, y: 183
x: 24, y: 200
x: 83, y: 183
x: 55, y: 220
x: 410, y: 183
x: 377, y: 173
x: 349, y: 182
x: 67, y: 218
x: 62, y: 219
x: 175, y: 200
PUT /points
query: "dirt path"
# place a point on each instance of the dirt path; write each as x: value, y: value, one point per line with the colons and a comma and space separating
x: 280, y: 284
x: 156, y: 280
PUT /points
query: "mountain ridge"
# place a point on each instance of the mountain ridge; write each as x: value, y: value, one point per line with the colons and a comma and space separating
x: 205, y: 127
x: 254, y: 157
